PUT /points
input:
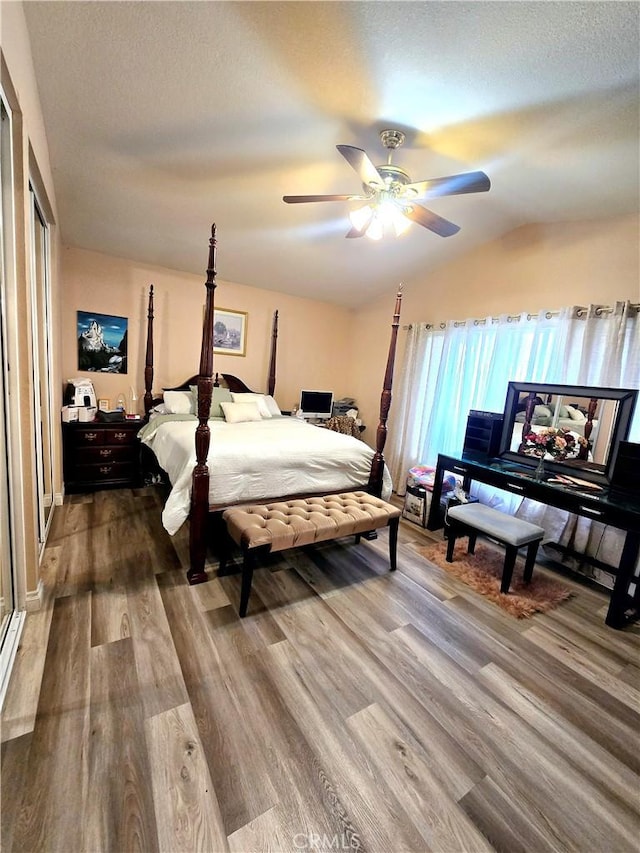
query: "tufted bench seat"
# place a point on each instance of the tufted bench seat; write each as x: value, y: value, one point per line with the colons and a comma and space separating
x: 265, y: 528
x: 513, y: 533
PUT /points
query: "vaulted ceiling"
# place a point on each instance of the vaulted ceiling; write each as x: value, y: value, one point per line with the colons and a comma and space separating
x: 164, y: 117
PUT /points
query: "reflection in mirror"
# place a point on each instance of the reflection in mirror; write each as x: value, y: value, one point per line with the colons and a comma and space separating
x: 572, y: 427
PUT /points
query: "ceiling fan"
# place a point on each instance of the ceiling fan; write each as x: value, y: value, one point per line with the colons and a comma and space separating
x: 392, y: 197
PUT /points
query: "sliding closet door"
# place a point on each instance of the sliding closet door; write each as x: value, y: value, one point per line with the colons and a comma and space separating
x: 7, y: 577
x: 41, y: 308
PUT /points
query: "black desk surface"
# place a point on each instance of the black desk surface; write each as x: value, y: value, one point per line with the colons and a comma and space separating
x: 608, y: 506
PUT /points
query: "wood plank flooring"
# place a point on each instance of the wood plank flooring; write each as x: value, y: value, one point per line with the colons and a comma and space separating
x: 352, y: 709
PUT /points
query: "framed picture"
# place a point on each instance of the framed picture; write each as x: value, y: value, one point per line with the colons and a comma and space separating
x: 104, y: 404
x: 102, y: 342
x: 229, y: 331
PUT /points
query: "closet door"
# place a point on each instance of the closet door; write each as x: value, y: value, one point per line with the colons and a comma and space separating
x: 7, y: 246
x: 40, y: 301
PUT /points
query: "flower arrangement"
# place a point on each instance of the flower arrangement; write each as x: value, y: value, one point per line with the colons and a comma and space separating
x: 553, y: 443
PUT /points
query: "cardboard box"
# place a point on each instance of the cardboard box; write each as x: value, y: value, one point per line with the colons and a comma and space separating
x: 69, y: 414
x: 87, y: 413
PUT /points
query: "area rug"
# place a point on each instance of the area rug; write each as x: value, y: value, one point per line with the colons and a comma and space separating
x: 482, y: 572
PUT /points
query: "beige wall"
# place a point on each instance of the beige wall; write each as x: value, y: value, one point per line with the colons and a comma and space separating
x: 313, y: 338
x: 531, y: 268
x: 31, y: 157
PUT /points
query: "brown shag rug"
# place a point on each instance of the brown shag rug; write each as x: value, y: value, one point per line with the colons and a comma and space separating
x: 482, y: 571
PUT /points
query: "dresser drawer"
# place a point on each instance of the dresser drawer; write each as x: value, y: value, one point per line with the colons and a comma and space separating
x: 120, y: 436
x: 89, y: 437
x: 102, y: 453
x: 105, y: 471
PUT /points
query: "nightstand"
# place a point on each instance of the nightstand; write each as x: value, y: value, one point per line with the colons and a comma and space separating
x: 100, y: 455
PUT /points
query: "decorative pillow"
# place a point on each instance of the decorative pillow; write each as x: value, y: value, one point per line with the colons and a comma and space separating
x: 273, y: 407
x: 218, y: 395
x: 542, y: 412
x: 576, y: 414
x: 178, y: 402
x: 563, y: 412
x: 235, y: 413
x: 259, y: 399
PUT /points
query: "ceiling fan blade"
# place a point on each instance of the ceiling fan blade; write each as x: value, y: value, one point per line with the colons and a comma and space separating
x: 301, y: 199
x: 359, y: 161
x: 467, y: 182
x: 430, y: 220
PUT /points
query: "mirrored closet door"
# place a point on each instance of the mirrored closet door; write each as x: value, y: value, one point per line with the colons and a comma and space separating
x: 7, y: 232
x: 40, y: 300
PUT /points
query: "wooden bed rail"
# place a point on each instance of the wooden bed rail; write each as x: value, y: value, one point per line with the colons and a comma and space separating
x: 271, y: 383
x: 200, y: 478
x: 148, y: 362
x: 377, y: 464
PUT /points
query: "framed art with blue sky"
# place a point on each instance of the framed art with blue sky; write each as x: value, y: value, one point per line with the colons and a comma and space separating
x: 102, y: 342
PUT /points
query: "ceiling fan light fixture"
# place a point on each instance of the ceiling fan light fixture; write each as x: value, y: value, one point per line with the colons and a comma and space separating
x: 361, y: 217
x: 375, y: 231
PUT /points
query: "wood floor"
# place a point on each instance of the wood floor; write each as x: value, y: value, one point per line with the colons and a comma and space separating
x: 352, y: 709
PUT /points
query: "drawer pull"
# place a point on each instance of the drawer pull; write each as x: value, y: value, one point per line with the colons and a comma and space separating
x: 106, y: 452
x: 516, y: 487
x: 590, y: 510
x: 459, y: 470
x: 105, y: 469
x: 120, y: 436
x: 90, y: 436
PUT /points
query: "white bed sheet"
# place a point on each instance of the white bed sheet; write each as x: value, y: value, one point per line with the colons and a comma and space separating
x: 257, y: 460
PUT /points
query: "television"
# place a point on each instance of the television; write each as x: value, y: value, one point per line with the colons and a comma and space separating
x: 316, y: 404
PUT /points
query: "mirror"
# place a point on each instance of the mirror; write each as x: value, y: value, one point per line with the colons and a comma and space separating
x: 592, y: 422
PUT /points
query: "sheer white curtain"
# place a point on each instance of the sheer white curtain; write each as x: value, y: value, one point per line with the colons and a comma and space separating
x: 601, y: 346
x: 467, y: 365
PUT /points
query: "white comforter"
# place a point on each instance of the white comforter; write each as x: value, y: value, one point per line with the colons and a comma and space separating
x: 258, y: 460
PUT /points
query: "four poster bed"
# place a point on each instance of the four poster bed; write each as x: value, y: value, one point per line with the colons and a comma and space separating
x: 222, y: 462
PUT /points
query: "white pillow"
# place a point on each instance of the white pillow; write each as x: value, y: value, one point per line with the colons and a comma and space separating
x: 576, y: 414
x: 259, y: 399
x: 542, y: 411
x: 235, y: 413
x: 273, y: 407
x: 178, y: 402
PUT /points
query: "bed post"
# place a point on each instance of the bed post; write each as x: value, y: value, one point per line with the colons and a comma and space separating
x: 528, y: 418
x: 148, y: 364
x: 200, y: 479
x: 271, y: 387
x: 377, y: 463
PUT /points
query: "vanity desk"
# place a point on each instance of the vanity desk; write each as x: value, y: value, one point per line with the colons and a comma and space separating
x: 619, y: 509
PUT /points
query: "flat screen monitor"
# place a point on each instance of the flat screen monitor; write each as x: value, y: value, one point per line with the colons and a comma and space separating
x: 316, y: 404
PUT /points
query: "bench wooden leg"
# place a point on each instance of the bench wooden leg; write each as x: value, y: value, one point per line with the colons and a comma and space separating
x: 451, y: 541
x: 247, y: 576
x: 471, y: 547
x: 509, y: 563
x: 393, y: 543
x: 532, y: 550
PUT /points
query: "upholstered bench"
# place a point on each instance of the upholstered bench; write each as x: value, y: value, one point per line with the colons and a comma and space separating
x: 265, y: 528
x: 513, y: 533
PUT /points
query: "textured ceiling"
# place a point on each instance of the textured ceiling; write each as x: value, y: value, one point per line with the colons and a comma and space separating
x: 164, y: 117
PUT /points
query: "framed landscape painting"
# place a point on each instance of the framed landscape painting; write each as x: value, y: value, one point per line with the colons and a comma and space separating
x: 102, y: 342
x: 229, y: 331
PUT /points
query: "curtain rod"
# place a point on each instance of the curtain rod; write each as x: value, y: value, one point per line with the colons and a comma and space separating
x: 515, y: 318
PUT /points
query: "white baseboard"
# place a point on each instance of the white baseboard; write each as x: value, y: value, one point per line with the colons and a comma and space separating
x: 33, y: 599
x: 58, y: 499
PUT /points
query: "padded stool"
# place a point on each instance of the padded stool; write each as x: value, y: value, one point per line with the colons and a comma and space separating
x: 265, y: 528
x: 513, y: 533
